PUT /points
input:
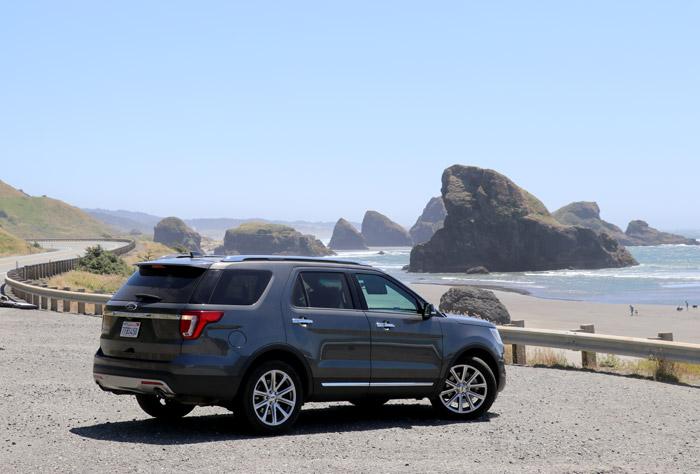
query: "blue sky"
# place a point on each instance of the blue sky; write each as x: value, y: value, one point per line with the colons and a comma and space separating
x: 316, y: 110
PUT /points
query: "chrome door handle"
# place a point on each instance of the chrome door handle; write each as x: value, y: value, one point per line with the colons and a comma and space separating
x: 385, y: 325
x: 302, y: 321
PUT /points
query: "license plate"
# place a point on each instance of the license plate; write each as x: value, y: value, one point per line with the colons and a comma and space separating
x: 130, y: 329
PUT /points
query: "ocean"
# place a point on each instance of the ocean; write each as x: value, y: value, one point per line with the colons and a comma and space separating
x: 666, y: 274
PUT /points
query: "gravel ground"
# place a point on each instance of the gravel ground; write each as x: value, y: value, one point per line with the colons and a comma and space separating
x: 54, y: 418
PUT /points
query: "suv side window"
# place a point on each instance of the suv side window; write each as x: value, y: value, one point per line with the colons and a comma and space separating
x: 381, y: 294
x: 240, y: 287
x: 322, y: 290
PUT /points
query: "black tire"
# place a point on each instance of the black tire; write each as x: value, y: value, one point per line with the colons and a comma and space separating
x: 276, y: 404
x: 162, y: 408
x: 466, y: 401
x: 369, y: 403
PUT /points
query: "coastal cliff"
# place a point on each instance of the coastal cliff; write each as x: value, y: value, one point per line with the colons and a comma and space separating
x: 258, y: 238
x: 346, y: 237
x: 380, y: 231
x: 429, y: 222
x: 174, y: 233
x: 492, y: 222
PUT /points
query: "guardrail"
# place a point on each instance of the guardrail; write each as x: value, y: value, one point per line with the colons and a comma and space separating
x: 20, y: 281
x: 661, y: 347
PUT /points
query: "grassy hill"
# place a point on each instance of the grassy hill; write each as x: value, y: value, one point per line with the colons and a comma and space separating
x: 43, y: 217
x: 12, y: 245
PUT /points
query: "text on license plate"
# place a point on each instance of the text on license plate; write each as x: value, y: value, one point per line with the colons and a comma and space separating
x: 130, y: 329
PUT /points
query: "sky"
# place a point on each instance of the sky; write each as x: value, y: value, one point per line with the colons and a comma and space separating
x: 317, y: 110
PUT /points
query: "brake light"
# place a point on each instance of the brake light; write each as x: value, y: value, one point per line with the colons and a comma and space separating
x: 192, y: 323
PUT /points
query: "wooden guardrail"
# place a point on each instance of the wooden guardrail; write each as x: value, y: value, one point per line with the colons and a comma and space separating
x: 22, y: 281
x: 661, y: 347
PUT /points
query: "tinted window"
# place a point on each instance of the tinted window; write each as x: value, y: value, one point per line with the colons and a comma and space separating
x: 383, y: 294
x: 166, y: 284
x: 240, y: 287
x: 322, y: 290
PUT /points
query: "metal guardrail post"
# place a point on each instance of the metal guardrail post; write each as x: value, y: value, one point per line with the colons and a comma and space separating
x: 81, y: 304
x: 519, y: 350
x: 588, y: 359
x: 66, y: 303
x: 98, y: 309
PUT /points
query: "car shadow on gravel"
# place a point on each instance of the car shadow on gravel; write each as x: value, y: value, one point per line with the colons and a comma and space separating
x: 203, y: 429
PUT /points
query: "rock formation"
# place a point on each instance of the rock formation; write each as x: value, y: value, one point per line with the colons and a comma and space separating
x: 174, y: 233
x: 639, y: 233
x: 587, y: 214
x: 491, y: 222
x: 476, y: 302
x: 429, y: 221
x: 258, y: 238
x: 346, y: 237
x: 380, y: 231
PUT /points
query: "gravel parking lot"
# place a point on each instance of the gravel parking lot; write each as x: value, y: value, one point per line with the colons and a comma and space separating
x: 54, y: 418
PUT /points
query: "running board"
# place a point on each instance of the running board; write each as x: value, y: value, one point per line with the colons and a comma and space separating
x: 376, y: 384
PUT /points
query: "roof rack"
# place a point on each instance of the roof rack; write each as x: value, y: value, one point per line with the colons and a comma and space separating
x: 287, y: 258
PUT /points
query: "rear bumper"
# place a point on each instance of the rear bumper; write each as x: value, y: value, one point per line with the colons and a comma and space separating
x: 171, y: 379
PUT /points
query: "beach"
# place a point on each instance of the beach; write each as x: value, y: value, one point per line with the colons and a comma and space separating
x: 608, y: 318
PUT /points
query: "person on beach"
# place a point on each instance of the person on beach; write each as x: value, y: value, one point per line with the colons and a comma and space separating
x: 631, y: 310
x: 686, y: 305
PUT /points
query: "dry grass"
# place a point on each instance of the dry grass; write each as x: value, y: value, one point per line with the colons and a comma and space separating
x: 664, y: 371
x: 90, y: 282
x: 147, y: 250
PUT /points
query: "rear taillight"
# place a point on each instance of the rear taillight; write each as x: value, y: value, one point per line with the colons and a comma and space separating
x: 192, y: 322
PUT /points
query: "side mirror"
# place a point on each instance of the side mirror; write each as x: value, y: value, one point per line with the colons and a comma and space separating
x: 428, y: 311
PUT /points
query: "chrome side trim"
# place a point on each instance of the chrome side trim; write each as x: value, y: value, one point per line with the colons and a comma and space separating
x: 132, y: 384
x: 376, y: 384
x: 401, y: 384
x: 344, y: 384
x: 126, y: 314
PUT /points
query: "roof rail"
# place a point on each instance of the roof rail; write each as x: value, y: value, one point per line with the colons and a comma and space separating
x: 287, y: 258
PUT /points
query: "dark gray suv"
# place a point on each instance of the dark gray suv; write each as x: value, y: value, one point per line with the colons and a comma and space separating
x: 261, y: 335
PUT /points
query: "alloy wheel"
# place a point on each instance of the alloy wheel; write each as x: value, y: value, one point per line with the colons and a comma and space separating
x: 465, y: 389
x: 274, y: 397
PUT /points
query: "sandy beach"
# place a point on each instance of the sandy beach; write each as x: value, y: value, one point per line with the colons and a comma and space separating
x: 612, y: 319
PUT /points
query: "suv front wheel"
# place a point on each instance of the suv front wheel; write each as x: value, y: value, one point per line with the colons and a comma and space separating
x: 467, y: 391
x: 271, y: 398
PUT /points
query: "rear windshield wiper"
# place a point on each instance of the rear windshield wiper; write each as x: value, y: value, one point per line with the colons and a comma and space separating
x: 147, y: 296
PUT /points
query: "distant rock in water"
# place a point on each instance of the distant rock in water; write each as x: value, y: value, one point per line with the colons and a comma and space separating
x: 380, y: 231
x: 429, y: 222
x: 587, y: 214
x: 258, y: 238
x: 639, y: 233
x: 346, y: 237
x: 477, y: 271
x: 174, y: 233
x: 476, y: 302
x: 492, y: 222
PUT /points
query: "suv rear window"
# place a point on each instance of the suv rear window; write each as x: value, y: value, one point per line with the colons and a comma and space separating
x: 162, y: 283
x: 240, y: 287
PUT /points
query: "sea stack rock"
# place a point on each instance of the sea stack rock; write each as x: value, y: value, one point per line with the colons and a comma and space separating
x: 258, y: 238
x: 492, y: 222
x: 174, y: 233
x: 476, y: 302
x: 587, y: 214
x: 429, y: 222
x: 346, y: 237
x: 380, y: 231
x: 639, y: 233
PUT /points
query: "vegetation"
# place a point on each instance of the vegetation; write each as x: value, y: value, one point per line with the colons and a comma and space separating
x: 101, y: 262
x: 109, y: 283
x: 42, y: 217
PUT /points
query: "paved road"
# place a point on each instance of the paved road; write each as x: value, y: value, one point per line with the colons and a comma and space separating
x: 62, y: 251
x: 53, y: 418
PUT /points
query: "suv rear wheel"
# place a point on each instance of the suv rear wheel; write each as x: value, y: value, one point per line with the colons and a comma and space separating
x: 162, y: 408
x: 467, y: 391
x: 271, y: 398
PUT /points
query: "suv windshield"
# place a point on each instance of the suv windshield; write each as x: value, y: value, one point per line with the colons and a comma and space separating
x: 165, y: 284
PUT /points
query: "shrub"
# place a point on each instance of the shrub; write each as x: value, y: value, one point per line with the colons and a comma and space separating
x: 98, y: 260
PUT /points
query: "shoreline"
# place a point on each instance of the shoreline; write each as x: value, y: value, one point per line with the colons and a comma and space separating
x: 608, y: 318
